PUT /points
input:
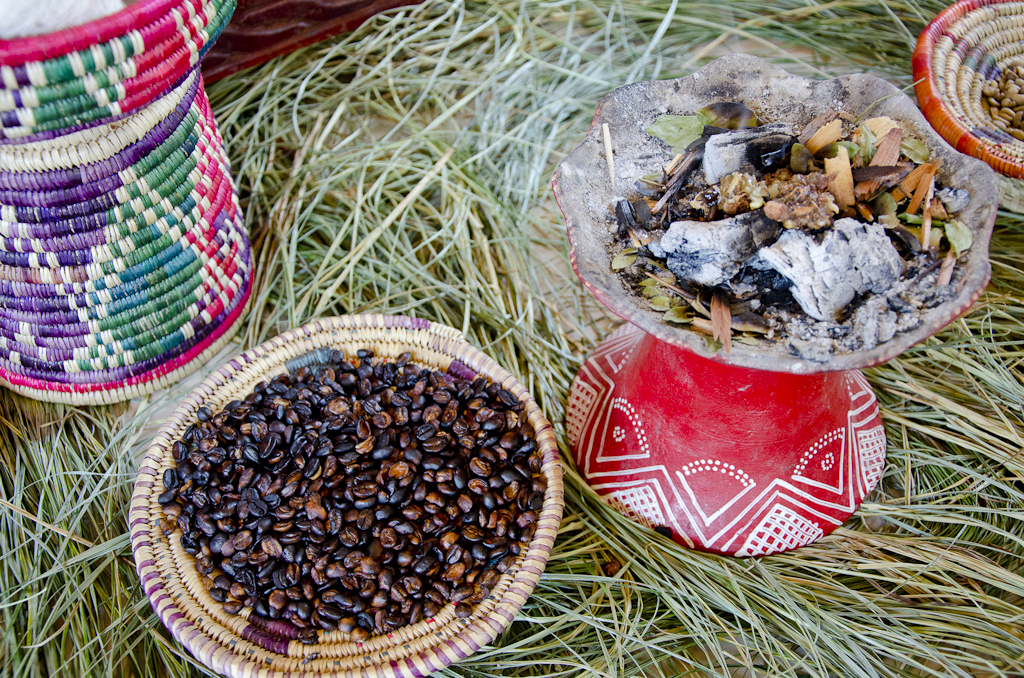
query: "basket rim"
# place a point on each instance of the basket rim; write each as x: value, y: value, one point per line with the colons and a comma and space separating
x: 51, y: 120
x: 931, y: 100
x: 34, y: 48
x: 431, y: 650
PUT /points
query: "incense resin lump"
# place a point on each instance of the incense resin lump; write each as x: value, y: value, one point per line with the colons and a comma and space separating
x: 357, y: 498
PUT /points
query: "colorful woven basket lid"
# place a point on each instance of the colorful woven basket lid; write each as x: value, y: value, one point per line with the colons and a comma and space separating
x: 965, y: 61
x: 124, y: 263
x: 52, y: 86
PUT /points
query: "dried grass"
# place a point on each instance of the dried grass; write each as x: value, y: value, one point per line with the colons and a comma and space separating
x: 326, y: 143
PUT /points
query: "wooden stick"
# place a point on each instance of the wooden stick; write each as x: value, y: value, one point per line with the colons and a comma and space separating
x: 926, y: 219
x: 828, y: 134
x: 671, y: 167
x: 721, y: 320
x: 841, y: 178
x: 816, y: 124
x: 946, y: 272
x: 887, y: 155
x: 923, y: 186
x: 608, y: 152
x: 910, y: 182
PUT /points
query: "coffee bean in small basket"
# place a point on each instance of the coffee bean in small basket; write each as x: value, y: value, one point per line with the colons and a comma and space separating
x: 358, y: 496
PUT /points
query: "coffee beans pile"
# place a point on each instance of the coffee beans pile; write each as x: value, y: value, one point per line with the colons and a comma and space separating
x: 360, y: 498
x: 1003, y: 100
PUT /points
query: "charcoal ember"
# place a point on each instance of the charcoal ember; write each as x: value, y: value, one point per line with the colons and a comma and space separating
x: 752, y: 150
x: 853, y: 258
x: 712, y: 252
x: 625, y: 218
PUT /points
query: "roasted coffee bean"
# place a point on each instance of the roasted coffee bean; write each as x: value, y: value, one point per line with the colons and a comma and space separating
x: 359, y: 497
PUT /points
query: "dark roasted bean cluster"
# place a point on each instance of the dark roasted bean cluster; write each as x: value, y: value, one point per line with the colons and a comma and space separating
x: 360, y: 498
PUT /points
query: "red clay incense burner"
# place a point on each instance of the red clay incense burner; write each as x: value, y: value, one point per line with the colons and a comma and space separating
x: 756, y: 451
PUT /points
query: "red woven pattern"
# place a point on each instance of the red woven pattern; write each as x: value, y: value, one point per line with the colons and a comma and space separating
x: 38, y: 48
x: 931, y: 100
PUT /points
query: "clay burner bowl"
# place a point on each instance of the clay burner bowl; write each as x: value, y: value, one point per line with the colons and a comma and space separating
x: 755, y: 451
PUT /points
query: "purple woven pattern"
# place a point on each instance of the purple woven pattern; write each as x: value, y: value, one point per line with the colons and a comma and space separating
x: 19, y: 288
x: 74, y: 263
x: 459, y: 370
x: 156, y: 292
x: 89, y: 216
x: 207, y: 237
x: 73, y: 301
x: 27, y: 281
x: 64, y: 178
x: 94, y: 196
x: 79, y: 249
x: 200, y: 328
x: 51, y: 358
x: 60, y: 197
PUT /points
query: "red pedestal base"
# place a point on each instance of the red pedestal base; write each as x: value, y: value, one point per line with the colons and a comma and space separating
x: 734, y: 461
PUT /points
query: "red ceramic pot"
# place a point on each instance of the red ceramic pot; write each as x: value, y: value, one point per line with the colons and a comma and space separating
x: 755, y: 451
x: 731, y: 460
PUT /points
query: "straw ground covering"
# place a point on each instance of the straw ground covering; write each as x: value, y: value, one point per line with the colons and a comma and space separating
x: 405, y: 169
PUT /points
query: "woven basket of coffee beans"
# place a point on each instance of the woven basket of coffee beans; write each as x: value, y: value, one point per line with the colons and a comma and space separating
x: 969, y: 79
x: 363, y: 496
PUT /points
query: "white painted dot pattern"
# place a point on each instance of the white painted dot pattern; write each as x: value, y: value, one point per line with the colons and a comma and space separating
x: 716, y: 466
x: 823, y: 442
x: 627, y: 408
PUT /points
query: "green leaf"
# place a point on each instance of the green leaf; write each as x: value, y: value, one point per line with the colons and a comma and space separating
x: 867, y: 145
x: 915, y: 150
x: 679, y: 314
x: 647, y: 282
x: 729, y: 114
x: 624, y: 259
x: 678, y: 131
x: 884, y: 204
x: 959, y: 236
x: 652, y: 291
x: 661, y: 303
x: 712, y: 344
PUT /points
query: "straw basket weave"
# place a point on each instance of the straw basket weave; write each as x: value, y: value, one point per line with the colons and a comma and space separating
x: 124, y: 263
x: 966, y: 45
x: 241, y: 645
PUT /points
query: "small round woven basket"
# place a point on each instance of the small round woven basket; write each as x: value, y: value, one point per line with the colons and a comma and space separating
x: 239, y: 645
x: 967, y: 46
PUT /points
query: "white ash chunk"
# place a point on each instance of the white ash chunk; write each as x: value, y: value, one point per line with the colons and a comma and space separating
x: 712, y: 252
x: 853, y: 258
x: 752, y: 150
x: 874, y: 323
x: 953, y: 199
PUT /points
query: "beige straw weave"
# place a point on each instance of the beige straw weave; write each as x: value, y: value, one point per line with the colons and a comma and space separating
x: 230, y: 644
x: 966, y: 46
